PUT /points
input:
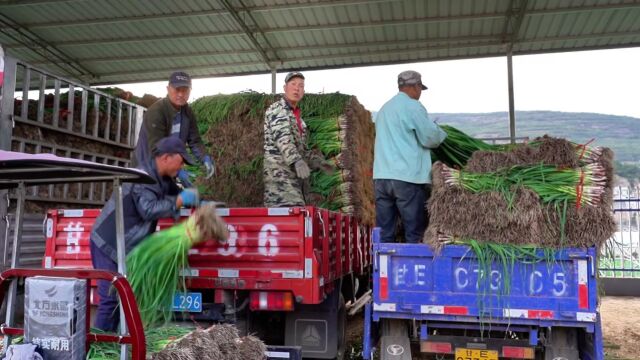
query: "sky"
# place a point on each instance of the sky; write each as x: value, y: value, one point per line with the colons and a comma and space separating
x: 602, y: 81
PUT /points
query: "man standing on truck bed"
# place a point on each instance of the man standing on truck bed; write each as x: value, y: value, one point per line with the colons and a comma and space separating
x: 402, y: 160
x: 172, y: 116
x: 143, y: 205
x: 286, y: 170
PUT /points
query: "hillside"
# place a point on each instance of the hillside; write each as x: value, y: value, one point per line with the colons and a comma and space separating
x: 620, y: 133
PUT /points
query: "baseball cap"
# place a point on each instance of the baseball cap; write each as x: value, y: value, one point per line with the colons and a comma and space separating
x: 172, y: 145
x: 410, y: 77
x: 292, y: 75
x: 180, y: 79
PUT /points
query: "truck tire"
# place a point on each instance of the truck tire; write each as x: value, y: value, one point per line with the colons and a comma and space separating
x: 562, y: 344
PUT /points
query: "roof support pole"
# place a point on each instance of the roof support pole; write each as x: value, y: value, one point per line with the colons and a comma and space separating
x: 512, y: 112
x: 8, y: 89
x: 15, y: 260
x: 121, y: 255
x: 273, y: 81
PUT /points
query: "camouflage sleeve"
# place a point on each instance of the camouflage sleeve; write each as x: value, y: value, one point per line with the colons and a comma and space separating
x: 283, y: 138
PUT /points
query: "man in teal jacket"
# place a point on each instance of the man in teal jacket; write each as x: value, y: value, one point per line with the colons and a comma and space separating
x: 402, y: 161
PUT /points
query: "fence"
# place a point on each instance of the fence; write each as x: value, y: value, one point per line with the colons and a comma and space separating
x: 51, y: 114
x: 621, y: 254
x: 504, y: 139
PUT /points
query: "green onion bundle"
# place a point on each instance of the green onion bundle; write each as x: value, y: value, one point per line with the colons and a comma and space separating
x: 154, y: 265
x: 325, y: 135
x: 584, y: 185
x: 328, y: 135
x: 458, y: 147
x: 156, y: 338
x: 323, y: 183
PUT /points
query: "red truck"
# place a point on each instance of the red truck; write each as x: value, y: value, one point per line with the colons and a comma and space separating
x: 284, y: 274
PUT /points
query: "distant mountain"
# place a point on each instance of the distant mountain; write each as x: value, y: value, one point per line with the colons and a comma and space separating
x: 620, y: 133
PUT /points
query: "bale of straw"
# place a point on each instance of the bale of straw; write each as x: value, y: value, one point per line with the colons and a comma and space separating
x: 174, y: 354
x: 251, y: 348
x: 232, y: 128
x: 218, y: 342
x: 200, y: 343
x: 223, y: 333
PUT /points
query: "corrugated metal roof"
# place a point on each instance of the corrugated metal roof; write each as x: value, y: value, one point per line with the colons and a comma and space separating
x: 119, y: 41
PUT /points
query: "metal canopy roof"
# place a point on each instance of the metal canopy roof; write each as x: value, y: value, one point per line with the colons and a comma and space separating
x: 118, y: 41
x: 45, y: 169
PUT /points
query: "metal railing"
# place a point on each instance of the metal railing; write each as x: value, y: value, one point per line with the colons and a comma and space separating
x: 504, y: 139
x: 620, y: 256
x: 51, y: 114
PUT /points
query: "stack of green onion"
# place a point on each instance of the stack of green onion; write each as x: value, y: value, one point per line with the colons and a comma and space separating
x: 328, y: 136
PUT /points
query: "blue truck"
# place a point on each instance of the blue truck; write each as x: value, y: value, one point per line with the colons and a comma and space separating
x: 454, y: 306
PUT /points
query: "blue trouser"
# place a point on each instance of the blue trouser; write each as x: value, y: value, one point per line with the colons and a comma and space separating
x: 400, y: 198
x: 107, y: 317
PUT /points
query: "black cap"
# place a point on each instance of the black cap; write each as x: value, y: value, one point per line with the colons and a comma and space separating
x: 180, y: 79
x: 293, y: 74
x: 172, y: 145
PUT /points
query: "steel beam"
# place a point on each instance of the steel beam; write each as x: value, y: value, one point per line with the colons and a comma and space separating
x: 323, y: 27
x: 499, y: 52
x: 39, y: 45
x: 15, y: 260
x: 512, y: 111
x: 195, y: 13
x: 179, y: 55
x: 273, y: 81
x: 510, y: 34
x: 262, y: 49
x: 513, y: 20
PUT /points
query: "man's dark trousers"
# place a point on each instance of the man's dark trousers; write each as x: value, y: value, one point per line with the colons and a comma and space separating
x: 107, y: 316
x: 400, y: 198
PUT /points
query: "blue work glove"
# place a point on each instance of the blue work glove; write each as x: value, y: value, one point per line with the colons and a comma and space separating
x: 190, y: 197
x: 210, y: 166
x: 184, y: 177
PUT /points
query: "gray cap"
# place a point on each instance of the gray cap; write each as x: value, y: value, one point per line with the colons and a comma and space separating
x: 410, y: 77
x: 293, y: 74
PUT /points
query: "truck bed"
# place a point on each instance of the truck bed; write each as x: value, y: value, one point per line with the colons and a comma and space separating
x: 411, y: 281
x: 297, y: 249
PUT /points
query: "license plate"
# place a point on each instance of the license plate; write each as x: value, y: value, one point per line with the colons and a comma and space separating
x: 190, y: 302
x: 474, y: 354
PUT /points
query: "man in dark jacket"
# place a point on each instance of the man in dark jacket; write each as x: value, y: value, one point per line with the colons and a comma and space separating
x: 172, y: 116
x: 143, y: 205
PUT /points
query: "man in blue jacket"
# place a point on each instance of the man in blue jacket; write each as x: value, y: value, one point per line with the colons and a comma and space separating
x: 143, y: 205
x: 402, y: 160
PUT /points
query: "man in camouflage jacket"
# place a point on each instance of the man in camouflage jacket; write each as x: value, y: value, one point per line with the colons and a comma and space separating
x: 285, y: 151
